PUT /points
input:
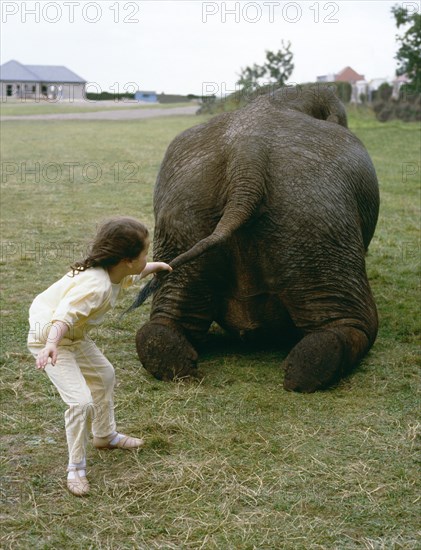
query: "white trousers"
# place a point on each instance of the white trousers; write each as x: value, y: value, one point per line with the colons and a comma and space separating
x: 85, y: 381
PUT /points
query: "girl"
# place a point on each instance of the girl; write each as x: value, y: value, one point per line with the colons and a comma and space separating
x: 60, y: 318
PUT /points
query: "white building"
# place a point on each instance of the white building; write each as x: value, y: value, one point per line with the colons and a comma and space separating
x: 36, y: 82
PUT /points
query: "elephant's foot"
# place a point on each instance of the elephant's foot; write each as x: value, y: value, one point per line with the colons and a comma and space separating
x: 322, y: 358
x: 165, y: 352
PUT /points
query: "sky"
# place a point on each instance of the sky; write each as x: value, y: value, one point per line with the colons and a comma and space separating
x: 198, y: 47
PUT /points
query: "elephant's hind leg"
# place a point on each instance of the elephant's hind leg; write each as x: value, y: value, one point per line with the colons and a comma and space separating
x: 323, y: 357
x: 339, y: 329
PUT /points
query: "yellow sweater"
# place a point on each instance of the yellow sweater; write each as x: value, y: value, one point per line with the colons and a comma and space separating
x: 81, y: 301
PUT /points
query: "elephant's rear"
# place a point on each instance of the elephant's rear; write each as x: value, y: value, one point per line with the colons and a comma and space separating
x: 276, y: 204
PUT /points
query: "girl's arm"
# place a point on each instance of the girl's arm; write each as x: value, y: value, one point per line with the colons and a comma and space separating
x: 153, y: 267
x: 57, y: 332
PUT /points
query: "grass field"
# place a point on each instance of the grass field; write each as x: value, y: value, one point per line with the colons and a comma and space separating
x: 231, y: 461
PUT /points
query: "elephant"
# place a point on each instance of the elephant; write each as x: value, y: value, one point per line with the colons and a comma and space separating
x: 266, y: 214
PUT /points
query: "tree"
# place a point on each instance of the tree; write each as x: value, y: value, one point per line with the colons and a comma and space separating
x: 409, y: 53
x: 250, y: 76
x: 384, y: 93
x: 277, y: 69
x: 279, y: 65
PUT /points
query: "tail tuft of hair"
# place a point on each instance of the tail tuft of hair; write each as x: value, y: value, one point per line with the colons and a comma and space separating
x: 144, y: 293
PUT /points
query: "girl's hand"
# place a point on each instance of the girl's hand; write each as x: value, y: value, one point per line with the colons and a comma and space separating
x: 160, y: 266
x: 154, y: 267
x: 50, y: 350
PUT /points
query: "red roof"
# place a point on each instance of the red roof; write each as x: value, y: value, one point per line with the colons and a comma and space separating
x: 348, y: 75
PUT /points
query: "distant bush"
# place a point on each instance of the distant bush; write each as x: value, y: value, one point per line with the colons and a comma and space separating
x: 406, y: 108
x: 384, y: 93
x: 176, y: 98
x: 107, y: 96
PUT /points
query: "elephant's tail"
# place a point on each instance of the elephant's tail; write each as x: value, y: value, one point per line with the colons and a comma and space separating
x: 244, y: 197
x: 144, y: 294
x: 156, y: 282
x: 152, y: 286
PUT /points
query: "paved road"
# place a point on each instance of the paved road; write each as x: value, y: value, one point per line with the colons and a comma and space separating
x: 121, y: 114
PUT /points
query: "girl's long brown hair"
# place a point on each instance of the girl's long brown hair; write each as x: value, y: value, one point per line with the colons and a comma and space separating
x: 118, y: 238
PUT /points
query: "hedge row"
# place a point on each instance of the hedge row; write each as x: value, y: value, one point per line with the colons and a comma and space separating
x: 406, y: 108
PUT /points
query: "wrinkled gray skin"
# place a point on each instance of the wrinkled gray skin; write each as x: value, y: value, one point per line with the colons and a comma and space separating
x: 265, y: 214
